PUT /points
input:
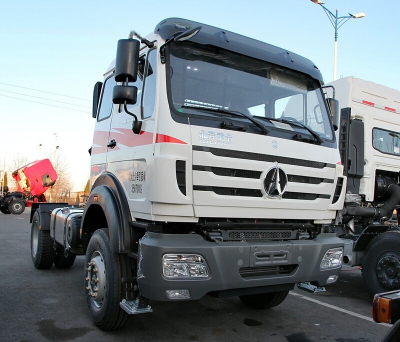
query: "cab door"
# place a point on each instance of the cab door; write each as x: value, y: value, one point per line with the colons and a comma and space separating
x: 101, y: 140
x: 130, y: 156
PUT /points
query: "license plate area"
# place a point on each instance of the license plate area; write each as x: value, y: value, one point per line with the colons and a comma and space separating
x: 271, y: 254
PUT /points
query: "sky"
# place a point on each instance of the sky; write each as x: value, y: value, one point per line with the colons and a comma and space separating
x: 53, y: 52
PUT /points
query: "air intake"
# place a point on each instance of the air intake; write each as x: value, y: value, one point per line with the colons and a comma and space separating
x: 181, y: 175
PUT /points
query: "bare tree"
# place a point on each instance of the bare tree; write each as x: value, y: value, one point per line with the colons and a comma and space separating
x: 16, y: 163
x: 59, y: 192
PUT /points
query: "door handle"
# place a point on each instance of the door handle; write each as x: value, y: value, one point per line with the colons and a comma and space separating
x: 112, y: 144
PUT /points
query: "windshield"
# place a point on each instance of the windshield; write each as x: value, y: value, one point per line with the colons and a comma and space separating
x: 207, y: 77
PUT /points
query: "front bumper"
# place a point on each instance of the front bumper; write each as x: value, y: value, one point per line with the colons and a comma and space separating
x: 233, y: 265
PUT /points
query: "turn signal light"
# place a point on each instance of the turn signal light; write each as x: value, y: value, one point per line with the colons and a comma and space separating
x: 386, y: 307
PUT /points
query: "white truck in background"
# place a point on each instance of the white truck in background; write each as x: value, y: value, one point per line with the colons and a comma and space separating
x: 214, y: 169
x: 369, y: 144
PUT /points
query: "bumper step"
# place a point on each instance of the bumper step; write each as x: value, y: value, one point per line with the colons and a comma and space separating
x: 135, y: 307
x: 307, y: 286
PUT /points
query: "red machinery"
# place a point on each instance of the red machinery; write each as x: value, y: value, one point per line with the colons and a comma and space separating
x: 32, y: 181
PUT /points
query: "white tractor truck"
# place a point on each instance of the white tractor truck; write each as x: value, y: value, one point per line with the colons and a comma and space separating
x: 214, y: 171
x: 369, y: 144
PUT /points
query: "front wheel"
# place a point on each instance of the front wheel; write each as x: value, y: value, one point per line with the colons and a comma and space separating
x: 42, y: 250
x: 264, y: 300
x: 381, y: 263
x: 104, y: 271
x: 5, y: 210
x: 16, y: 207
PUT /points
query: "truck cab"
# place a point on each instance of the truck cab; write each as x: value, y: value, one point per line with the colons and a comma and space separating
x: 369, y: 140
x: 214, y: 170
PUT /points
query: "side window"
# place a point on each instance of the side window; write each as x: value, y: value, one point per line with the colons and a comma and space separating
x: 106, y: 103
x: 386, y: 141
x: 139, y: 85
x: 149, y: 95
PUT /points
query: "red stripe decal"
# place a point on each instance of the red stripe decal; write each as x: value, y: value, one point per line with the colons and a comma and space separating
x: 127, y: 138
x: 162, y: 138
x: 368, y: 103
x: 390, y: 109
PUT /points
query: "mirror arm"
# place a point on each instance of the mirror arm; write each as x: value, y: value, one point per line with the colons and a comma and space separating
x: 333, y: 90
x: 178, y: 36
x: 128, y: 112
x: 162, y: 50
x: 136, y: 125
x: 143, y: 40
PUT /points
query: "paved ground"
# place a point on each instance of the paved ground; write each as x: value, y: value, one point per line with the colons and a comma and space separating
x: 50, y: 306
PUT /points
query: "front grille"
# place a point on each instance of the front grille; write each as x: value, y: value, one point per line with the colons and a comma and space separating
x: 261, y: 235
x: 308, y: 180
x: 240, y: 173
x: 304, y: 197
x: 262, y: 157
x: 257, y: 193
x: 274, y: 180
x: 229, y: 191
x: 237, y: 192
x: 250, y: 272
x: 227, y: 172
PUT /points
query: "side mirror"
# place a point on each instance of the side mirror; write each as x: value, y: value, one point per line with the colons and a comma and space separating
x: 126, y: 69
x: 127, y: 60
x: 96, y: 98
x: 124, y: 94
x: 333, y: 105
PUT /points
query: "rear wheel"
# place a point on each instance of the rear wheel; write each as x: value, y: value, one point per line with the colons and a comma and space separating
x: 61, y: 261
x: 381, y: 263
x: 16, y: 207
x: 264, y: 300
x: 103, y: 274
x: 42, y: 250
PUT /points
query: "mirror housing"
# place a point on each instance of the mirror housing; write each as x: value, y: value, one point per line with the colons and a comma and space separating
x: 96, y: 97
x: 127, y: 60
x: 333, y: 105
x: 124, y: 94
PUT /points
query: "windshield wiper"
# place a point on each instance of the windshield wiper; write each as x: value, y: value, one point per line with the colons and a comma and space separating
x: 316, y: 137
x: 232, y: 112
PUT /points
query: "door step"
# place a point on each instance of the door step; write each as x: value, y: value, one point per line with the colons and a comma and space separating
x: 307, y: 286
x: 137, y: 306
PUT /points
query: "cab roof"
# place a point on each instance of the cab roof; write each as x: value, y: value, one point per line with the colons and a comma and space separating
x: 210, y: 35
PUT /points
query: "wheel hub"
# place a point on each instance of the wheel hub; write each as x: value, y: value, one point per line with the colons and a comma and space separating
x: 96, y: 278
x: 388, y: 271
x: 17, y: 206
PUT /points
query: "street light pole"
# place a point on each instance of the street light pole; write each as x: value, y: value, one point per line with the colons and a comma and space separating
x: 337, y: 22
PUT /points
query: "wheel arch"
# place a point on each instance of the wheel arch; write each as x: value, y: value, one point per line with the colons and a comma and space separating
x: 370, y: 233
x: 107, y: 207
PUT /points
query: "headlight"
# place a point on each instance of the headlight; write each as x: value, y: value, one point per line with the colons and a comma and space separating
x: 184, y: 266
x: 332, y: 259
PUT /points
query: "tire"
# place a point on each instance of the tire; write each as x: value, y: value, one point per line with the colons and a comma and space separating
x: 104, y: 289
x: 5, y: 210
x: 61, y: 261
x: 42, y: 250
x: 16, y: 207
x: 264, y: 300
x: 381, y: 264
